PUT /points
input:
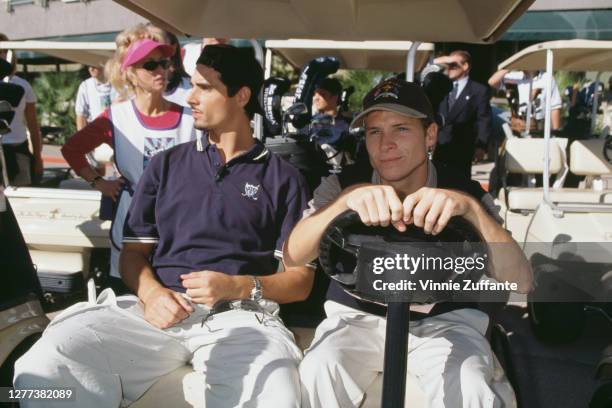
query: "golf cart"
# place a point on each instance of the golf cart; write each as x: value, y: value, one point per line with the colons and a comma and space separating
x: 566, y: 231
x: 342, y: 20
x: 68, y: 242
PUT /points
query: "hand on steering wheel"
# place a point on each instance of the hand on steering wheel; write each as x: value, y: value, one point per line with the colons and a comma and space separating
x: 427, y: 208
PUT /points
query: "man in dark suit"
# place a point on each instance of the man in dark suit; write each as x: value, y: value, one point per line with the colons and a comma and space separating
x: 466, y: 113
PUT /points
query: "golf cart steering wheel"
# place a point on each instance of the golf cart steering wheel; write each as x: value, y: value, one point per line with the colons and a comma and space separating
x: 348, y: 248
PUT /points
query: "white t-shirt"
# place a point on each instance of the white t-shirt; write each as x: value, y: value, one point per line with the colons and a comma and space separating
x: 18, y: 133
x: 92, y: 98
x: 539, y: 82
x: 180, y: 93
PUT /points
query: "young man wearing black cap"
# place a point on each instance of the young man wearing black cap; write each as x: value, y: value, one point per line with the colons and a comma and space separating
x: 448, y: 353
x: 326, y: 98
x: 206, y: 220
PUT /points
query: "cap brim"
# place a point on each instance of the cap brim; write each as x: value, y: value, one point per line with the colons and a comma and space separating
x: 144, y: 50
x: 388, y: 107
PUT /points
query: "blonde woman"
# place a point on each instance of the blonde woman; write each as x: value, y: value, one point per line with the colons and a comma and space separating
x: 139, y: 127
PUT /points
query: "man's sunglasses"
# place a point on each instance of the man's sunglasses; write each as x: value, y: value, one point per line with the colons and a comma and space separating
x: 152, y: 65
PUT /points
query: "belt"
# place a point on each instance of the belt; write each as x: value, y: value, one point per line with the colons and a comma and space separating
x: 225, y: 305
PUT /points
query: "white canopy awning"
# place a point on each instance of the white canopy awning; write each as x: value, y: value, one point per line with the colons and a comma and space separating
x: 371, y: 55
x: 473, y: 21
x: 87, y: 53
x: 570, y: 55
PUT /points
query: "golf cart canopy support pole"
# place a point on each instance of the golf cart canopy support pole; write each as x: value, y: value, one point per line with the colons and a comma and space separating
x: 526, y: 132
x: 268, y: 66
x: 410, y: 61
x: 595, y: 100
x: 258, y: 119
x: 547, y: 96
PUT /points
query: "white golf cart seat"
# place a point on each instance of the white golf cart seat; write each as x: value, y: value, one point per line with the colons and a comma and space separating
x: 587, y: 159
x: 178, y: 389
x: 526, y: 156
x: 103, y: 155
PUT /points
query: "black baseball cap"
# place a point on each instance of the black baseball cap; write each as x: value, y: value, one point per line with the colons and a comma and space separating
x: 332, y: 85
x: 395, y: 95
x: 238, y: 67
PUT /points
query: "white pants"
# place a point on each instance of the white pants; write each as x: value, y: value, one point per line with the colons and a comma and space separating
x: 447, y: 354
x: 110, y: 356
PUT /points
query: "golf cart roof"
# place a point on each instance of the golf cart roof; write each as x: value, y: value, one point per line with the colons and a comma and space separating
x: 570, y: 55
x: 472, y: 21
x: 372, y: 55
x: 87, y: 53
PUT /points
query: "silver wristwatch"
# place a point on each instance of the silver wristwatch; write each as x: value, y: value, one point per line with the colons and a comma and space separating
x: 256, y: 293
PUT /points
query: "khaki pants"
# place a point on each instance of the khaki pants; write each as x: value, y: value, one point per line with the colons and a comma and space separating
x: 447, y: 354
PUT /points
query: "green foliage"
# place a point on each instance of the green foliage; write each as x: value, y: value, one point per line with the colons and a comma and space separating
x: 282, y: 68
x: 363, y: 81
x: 56, y: 94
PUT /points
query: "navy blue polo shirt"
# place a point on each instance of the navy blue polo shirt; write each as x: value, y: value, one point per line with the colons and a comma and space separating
x: 203, y: 214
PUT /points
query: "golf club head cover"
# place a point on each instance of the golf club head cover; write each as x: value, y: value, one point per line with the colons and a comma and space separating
x: 273, y: 90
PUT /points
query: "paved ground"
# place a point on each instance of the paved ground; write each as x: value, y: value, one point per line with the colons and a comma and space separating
x: 52, y: 157
x: 559, y: 376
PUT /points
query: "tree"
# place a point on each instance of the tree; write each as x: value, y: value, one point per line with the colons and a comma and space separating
x: 363, y: 82
x: 56, y: 93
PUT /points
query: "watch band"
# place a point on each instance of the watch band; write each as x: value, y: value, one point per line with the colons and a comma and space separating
x: 256, y: 292
x: 93, y: 181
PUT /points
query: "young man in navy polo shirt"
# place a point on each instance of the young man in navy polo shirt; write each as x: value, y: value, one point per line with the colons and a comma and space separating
x: 205, y: 223
x: 448, y: 353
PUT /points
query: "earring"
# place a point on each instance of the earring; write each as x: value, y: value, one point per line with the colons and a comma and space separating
x: 430, y: 153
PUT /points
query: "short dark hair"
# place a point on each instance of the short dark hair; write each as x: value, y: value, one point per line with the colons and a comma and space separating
x: 465, y: 56
x: 237, y: 68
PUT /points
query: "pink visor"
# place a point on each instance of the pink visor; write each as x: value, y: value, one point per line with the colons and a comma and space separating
x: 140, y: 49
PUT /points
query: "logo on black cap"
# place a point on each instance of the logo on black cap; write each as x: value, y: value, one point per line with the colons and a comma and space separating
x: 387, y: 89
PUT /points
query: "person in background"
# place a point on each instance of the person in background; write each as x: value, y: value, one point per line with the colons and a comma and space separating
x: 179, y: 84
x: 329, y: 126
x: 536, y: 81
x: 138, y: 128
x: 24, y: 167
x: 326, y: 98
x: 93, y: 97
x: 464, y: 135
